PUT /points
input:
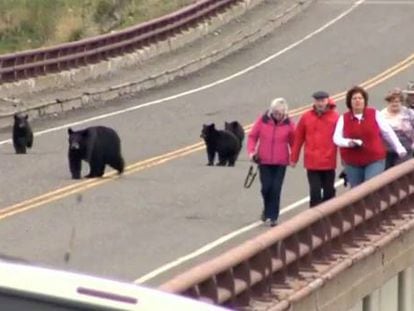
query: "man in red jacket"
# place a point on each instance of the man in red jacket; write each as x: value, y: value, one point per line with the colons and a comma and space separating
x: 316, y: 129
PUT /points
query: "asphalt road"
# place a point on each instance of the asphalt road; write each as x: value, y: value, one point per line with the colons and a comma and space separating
x: 170, y: 206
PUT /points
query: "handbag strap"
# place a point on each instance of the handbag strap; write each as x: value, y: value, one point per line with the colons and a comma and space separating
x: 251, y: 175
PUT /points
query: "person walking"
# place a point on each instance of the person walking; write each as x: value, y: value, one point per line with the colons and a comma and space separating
x: 268, y: 144
x: 409, y: 95
x: 401, y: 120
x: 315, y: 130
x: 359, y: 133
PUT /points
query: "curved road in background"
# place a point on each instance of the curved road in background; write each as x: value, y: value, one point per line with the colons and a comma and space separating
x: 169, y: 203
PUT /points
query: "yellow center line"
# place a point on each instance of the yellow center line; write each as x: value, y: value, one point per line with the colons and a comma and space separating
x: 178, y: 153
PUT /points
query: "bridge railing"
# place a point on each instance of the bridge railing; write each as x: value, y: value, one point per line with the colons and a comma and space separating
x: 42, y: 61
x: 271, y: 259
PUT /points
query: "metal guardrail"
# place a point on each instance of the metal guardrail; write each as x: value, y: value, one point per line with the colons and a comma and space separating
x: 269, y: 265
x: 42, y: 61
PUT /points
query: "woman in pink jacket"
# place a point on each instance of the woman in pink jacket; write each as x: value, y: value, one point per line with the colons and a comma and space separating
x: 269, y: 144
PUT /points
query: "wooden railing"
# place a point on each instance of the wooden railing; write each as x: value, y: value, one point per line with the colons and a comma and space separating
x: 280, y: 264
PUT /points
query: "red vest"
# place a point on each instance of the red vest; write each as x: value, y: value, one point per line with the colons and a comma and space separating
x: 369, y: 132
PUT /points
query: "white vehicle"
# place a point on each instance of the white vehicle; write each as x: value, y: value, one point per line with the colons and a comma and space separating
x: 27, y: 287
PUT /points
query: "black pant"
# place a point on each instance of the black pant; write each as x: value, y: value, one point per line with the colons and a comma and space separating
x: 271, y: 178
x: 391, y: 159
x: 321, y: 185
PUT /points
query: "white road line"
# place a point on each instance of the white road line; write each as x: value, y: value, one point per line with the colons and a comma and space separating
x: 219, y: 241
x: 288, y: 208
x: 207, y: 86
x: 231, y: 235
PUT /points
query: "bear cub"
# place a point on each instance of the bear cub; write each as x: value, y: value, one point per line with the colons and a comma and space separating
x: 222, y: 142
x: 22, y: 133
x: 97, y: 145
x: 236, y: 128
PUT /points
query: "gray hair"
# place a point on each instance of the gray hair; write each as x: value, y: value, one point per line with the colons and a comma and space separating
x: 279, y: 104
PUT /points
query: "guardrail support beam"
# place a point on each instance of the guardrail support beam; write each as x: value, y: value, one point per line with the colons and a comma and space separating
x: 405, y: 290
x: 371, y: 302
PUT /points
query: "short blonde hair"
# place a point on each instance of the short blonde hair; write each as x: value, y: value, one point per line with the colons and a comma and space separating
x: 279, y: 104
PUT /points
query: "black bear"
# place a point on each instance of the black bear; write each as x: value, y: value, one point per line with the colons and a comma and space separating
x: 236, y: 128
x: 22, y: 133
x: 225, y: 143
x: 97, y: 145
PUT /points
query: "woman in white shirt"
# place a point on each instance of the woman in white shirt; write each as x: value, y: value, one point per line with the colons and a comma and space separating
x: 401, y: 119
x: 359, y: 135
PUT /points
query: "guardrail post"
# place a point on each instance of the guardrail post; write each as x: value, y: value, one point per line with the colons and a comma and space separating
x: 404, y: 290
x: 242, y: 278
x: 412, y: 286
x: 225, y: 282
x: 371, y: 302
x: 261, y: 264
x: 278, y: 256
x: 208, y: 291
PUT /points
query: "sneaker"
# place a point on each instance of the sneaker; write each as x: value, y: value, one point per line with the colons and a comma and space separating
x: 273, y: 223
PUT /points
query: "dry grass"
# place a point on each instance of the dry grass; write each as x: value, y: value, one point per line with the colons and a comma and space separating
x: 27, y: 24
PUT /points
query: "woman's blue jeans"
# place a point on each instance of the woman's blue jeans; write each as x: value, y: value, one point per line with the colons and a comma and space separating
x: 358, y: 174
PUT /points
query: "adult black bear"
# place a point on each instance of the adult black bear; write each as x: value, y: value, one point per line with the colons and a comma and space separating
x: 236, y: 128
x: 97, y: 145
x: 22, y: 133
x: 225, y: 143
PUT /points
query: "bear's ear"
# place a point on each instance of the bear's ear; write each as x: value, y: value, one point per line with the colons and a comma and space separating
x: 16, y: 116
x: 70, y: 131
x: 26, y: 116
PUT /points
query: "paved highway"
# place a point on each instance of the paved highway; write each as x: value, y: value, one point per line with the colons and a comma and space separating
x: 169, y: 203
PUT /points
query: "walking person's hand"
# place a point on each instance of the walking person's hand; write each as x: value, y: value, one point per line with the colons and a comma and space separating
x: 355, y: 143
x: 402, y: 153
x: 293, y: 164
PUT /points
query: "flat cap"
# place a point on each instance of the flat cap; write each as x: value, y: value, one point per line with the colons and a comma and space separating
x: 320, y: 95
x: 410, y: 88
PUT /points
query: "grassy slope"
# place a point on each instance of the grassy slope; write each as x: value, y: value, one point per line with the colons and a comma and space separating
x: 27, y: 24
